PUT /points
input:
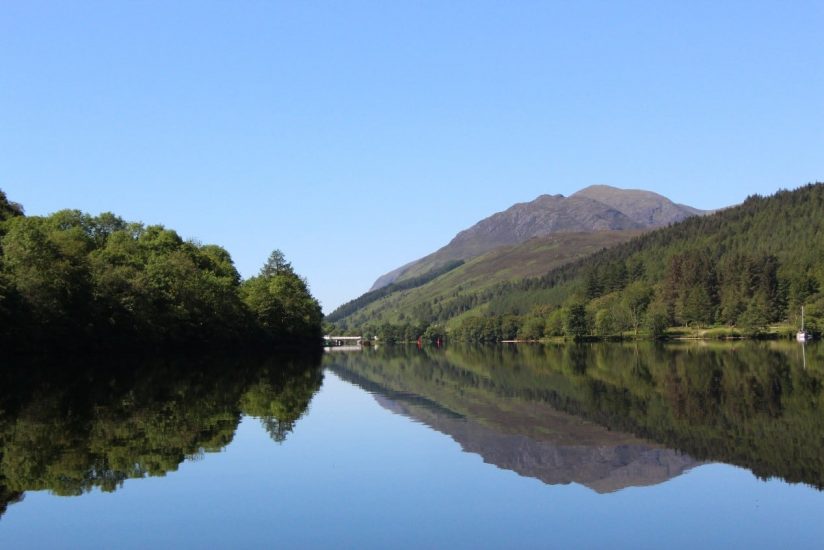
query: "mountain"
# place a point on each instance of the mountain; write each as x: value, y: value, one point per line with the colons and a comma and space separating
x: 595, y: 208
x: 744, y: 270
x: 525, y: 240
x: 532, y: 258
x: 644, y: 207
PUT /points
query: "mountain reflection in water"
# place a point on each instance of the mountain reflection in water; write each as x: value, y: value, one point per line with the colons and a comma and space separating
x: 610, y: 416
x: 605, y: 462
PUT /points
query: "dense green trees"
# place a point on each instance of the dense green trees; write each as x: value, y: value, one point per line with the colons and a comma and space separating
x: 576, y: 322
x: 281, y: 304
x: 748, y: 267
x: 8, y: 209
x: 71, y: 280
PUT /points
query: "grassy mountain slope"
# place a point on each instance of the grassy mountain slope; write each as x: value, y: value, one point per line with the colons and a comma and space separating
x: 504, y: 264
x: 596, y: 208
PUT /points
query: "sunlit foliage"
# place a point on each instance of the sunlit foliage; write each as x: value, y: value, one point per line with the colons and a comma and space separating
x: 72, y: 280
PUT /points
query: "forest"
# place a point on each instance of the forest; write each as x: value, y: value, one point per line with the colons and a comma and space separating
x: 743, y: 271
x: 73, y: 281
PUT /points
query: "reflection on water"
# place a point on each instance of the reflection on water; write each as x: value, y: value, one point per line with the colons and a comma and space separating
x: 531, y: 438
x: 602, y: 460
x: 69, y: 428
x: 606, y: 416
x: 610, y: 416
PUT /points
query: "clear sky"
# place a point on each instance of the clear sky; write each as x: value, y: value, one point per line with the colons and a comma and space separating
x: 358, y: 136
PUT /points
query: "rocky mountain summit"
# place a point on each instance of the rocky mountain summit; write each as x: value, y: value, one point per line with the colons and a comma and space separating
x: 595, y: 208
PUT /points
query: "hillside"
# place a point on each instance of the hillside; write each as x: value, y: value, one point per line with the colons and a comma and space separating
x: 595, y: 208
x: 510, y: 263
x: 744, y: 268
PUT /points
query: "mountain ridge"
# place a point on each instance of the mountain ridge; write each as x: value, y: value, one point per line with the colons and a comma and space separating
x: 594, y: 208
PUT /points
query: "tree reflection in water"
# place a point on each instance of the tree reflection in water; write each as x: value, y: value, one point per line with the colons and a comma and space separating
x: 69, y: 427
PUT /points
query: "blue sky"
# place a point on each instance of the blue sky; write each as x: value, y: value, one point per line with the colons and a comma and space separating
x: 357, y: 136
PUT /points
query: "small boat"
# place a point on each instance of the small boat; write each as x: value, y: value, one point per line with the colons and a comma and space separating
x: 802, y: 335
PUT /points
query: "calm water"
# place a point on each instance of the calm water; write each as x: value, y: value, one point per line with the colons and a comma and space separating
x: 530, y: 446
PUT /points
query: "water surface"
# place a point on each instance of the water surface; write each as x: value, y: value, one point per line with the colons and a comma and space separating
x: 536, y: 446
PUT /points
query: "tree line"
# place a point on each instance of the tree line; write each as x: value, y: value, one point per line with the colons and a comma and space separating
x: 71, y: 280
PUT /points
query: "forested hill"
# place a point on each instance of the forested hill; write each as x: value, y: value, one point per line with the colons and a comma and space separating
x: 593, y: 209
x: 422, y: 297
x: 747, y: 267
x: 73, y: 281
